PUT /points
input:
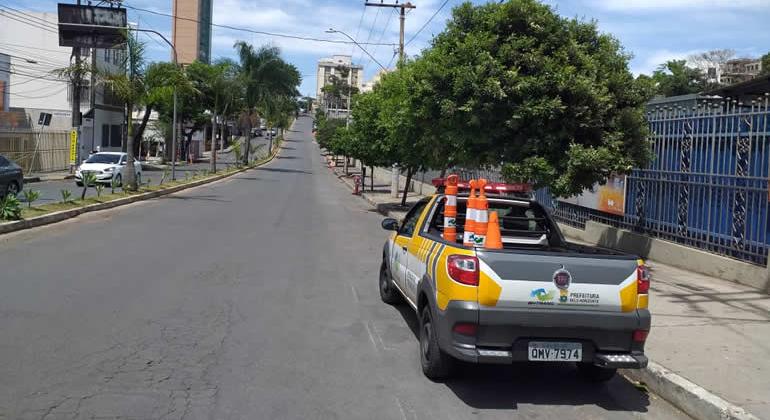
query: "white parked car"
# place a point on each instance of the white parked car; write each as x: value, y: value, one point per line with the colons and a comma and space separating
x: 106, y: 166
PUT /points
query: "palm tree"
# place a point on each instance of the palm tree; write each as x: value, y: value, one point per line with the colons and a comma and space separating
x: 131, y: 88
x: 265, y: 75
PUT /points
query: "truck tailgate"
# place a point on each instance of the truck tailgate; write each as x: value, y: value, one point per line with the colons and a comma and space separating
x: 557, y: 281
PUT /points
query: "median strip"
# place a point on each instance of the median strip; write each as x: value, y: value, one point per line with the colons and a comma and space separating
x: 59, y: 216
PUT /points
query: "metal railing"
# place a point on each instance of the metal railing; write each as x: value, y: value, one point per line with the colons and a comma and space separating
x: 707, y: 185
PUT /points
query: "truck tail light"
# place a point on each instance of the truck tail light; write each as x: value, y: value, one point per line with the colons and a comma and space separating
x: 640, y: 336
x: 463, y: 269
x: 642, y: 280
x: 465, y: 328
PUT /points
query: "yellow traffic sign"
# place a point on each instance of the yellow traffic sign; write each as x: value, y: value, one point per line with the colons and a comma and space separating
x: 73, y: 146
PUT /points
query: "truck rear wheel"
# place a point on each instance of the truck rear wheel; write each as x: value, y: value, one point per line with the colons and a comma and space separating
x: 388, y: 292
x: 595, y: 373
x: 435, y: 363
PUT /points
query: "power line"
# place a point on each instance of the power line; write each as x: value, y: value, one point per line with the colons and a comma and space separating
x: 369, y: 37
x: 68, y: 53
x: 235, y: 28
x: 43, y: 77
x: 382, y: 34
x: 15, y: 17
x: 360, y: 21
x: 427, y: 22
x: 39, y: 97
x: 34, y: 18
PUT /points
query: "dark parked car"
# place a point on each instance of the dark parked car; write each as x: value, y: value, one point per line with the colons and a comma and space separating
x: 11, y: 177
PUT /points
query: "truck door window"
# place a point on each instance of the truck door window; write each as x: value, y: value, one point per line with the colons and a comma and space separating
x: 410, y: 221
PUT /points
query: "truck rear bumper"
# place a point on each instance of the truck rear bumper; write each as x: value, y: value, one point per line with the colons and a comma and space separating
x: 503, y: 334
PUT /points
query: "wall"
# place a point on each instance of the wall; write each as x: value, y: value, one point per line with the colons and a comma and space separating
x: 670, y: 253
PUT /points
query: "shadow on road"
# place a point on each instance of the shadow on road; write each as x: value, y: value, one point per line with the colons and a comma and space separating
x: 288, y: 157
x: 299, y: 171
x: 503, y: 387
x: 292, y: 141
x: 287, y: 148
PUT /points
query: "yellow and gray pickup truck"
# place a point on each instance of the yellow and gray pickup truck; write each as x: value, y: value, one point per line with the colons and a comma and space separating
x: 538, y: 299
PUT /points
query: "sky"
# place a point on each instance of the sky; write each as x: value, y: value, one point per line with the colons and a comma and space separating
x: 653, y: 31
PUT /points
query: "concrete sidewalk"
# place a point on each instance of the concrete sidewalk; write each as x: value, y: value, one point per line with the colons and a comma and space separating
x: 712, y: 332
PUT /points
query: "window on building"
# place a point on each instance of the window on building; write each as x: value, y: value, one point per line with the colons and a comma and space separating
x: 116, y: 135
x: 105, y: 135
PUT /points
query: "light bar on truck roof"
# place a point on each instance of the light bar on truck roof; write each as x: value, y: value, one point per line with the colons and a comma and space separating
x: 491, y: 187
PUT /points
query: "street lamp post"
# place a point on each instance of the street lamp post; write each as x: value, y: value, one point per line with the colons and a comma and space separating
x: 176, y: 63
x: 333, y: 31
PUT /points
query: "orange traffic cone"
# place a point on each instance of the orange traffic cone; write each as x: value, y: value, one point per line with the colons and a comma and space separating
x: 481, y: 221
x: 494, y: 241
x: 470, y: 216
x: 450, y: 209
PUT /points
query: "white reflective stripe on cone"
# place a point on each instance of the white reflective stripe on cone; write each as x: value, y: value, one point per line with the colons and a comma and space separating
x: 450, y: 222
x: 451, y: 200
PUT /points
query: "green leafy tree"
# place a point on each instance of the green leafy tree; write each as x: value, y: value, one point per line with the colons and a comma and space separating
x: 765, y: 63
x: 515, y: 84
x: 675, y: 78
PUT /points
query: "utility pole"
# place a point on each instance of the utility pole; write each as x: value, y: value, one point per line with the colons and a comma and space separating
x: 76, y: 82
x: 402, y: 18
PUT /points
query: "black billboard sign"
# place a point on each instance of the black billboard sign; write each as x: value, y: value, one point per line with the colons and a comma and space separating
x: 77, y: 26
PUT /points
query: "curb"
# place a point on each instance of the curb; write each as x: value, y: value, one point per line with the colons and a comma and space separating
x: 694, y: 400
x: 63, y: 215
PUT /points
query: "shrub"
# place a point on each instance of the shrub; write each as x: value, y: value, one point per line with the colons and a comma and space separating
x: 10, y: 208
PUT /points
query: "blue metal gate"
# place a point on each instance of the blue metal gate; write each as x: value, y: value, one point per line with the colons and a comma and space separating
x: 707, y: 185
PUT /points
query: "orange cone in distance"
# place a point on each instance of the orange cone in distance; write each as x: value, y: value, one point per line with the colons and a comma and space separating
x: 481, y: 222
x: 450, y: 209
x: 494, y: 240
x: 470, y: 216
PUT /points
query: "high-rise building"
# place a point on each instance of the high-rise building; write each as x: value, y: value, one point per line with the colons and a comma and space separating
x: 334, y: 66
x: 191, y: 30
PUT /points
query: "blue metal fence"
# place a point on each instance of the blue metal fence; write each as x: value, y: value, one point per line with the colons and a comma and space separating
x: 707, y: 186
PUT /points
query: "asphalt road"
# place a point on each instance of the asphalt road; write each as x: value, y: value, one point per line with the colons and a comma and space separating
x: 251, y: 298
x: 50, y: 191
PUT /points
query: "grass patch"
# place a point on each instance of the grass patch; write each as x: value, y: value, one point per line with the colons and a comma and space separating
x: 44, y: 209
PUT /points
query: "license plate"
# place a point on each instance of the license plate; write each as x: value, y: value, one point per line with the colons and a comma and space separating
x: 549, y: 351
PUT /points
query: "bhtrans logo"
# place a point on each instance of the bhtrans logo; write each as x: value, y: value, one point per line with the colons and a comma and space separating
x: 562, y: 280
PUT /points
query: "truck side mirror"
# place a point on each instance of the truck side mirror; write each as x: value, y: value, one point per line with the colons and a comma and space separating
x: 390, y: 224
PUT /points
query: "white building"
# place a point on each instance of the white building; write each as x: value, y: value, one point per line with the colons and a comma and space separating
x: 328, y: 67
x: 32, y: 43
x: 369, y: 86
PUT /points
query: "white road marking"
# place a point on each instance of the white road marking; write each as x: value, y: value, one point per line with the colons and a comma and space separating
x: 371, y: 336
x: 401, y: 408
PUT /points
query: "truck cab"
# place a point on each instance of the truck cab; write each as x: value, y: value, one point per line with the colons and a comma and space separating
x: 538, y: 299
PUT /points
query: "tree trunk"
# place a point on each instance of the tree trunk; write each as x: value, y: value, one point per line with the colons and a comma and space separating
x: 213, y: 166
x: 363, y: 177
x: 140, y: 130
x: 372, y: 176
x: 345, y: 165
x: 409, y: 173
x: 130, y: 179
x: 247, y: 148
x: 222, y: 135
